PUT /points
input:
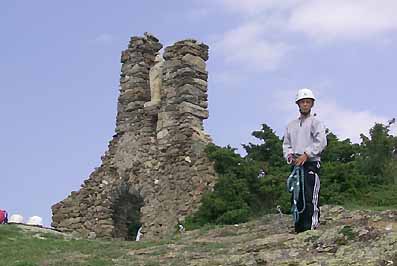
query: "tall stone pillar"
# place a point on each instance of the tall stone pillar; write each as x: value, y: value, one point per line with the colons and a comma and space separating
x: 184, y: 172
x: 155, y: 170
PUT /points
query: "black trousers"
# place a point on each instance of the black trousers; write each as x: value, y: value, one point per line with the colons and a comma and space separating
x: 309, y: 219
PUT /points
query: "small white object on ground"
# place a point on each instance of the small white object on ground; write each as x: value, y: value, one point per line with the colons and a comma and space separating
x: 139, y: 234
x: 35, y: 220
x: 181, y: 228
x: 15, y: 219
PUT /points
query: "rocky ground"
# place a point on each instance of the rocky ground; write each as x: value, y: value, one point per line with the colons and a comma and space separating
x: 344, y: 238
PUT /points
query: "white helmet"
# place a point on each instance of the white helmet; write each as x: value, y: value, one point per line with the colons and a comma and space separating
x: 35, y: 220
x: 304, y: 94
x: 16, y: 219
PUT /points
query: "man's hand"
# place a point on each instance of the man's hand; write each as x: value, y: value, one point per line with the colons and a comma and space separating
x: 290, y: 159
x: 301, y: 159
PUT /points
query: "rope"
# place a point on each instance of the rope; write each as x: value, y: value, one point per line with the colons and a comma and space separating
x: 293, y: 185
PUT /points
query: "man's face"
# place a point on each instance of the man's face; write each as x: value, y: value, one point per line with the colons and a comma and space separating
x: 305, y: 105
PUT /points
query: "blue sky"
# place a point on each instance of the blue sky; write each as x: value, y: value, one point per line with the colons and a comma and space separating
x: 60, y: 65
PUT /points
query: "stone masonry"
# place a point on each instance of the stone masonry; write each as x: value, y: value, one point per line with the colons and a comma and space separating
x: 155, y: 170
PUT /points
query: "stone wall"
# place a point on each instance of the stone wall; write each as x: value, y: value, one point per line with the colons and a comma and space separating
x: 155, y: 169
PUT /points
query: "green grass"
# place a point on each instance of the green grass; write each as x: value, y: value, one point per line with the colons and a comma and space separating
x: 28, y: 248
x: 348, y: 232
x: 355, y: 205
x: 20, y: 248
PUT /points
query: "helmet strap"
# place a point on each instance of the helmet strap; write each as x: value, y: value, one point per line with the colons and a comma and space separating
x: 304, y: 113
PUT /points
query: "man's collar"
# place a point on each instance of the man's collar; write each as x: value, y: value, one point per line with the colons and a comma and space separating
x: 301, y: 117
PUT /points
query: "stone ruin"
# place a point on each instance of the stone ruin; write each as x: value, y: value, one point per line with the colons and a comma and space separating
x: 155, y: 170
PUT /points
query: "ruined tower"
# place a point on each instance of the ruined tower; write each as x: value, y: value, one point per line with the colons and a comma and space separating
x: 155, y: 169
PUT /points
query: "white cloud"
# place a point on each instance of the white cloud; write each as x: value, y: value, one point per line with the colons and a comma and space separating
x: 104, y: 38
x: 326, y: 20
x: 344, y: 122
x: 393, y: 130
x: 257, y: 6
x: 247, y: 45
x: 344, y: 19
x: 347, y: 123
x: 261, y: 41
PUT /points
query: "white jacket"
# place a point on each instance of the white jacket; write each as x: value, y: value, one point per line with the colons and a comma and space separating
x: 305, y: 135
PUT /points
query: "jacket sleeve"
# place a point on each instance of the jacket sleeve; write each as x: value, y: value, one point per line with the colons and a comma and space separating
x: 319, y: 140
x: 287, y: 148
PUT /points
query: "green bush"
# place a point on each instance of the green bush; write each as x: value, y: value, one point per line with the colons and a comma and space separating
x: 341, y: 182
x: 229, y: 202
x: 273, y: 191
x: 361, y: 174
x: 380, y: 196
x: 234, y: 216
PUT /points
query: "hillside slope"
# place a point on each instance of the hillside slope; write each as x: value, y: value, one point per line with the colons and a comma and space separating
x: 344, y: 238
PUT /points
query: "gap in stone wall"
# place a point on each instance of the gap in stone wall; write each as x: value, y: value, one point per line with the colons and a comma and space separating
x: 126, y: 215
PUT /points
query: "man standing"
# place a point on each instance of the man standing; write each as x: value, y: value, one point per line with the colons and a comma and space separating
x: 304, y: 140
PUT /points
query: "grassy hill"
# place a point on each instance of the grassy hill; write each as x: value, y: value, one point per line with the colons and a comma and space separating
x: 344, y: 238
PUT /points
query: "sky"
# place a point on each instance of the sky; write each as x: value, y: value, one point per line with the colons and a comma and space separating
x: 60, y: 66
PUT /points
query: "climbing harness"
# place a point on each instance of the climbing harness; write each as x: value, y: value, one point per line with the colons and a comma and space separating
x: 295, y: 179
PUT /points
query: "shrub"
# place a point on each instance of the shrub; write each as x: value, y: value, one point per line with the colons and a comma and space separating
x: 249, y: 186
